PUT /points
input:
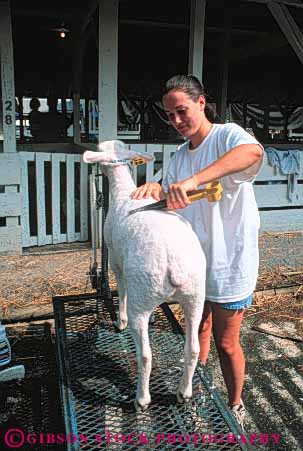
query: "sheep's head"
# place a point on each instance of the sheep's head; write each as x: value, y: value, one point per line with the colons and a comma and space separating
x: 114, y: 153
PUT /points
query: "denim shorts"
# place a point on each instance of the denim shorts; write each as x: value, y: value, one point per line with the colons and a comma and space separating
x: 238, y: 305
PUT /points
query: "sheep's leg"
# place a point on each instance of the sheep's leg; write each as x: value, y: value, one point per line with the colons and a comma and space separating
x: 139, y: 327
x: 191, y: 352
x: 122, y: 321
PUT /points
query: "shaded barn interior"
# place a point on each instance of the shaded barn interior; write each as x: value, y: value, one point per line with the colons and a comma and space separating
x: 153, y: 43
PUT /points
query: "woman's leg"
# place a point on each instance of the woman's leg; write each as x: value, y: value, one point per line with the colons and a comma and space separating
x: 205, y: 332
x: 226, y: 331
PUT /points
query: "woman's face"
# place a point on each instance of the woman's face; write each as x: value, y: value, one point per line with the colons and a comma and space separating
x: 185, y: 115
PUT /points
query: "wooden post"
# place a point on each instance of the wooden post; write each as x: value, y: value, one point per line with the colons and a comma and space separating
x: 21, y: 118
x: 108, y: 69
x: 107, y: 87
x: 196, y: 38
x: 64, y: 114
x: 80, y: 45
x: 224, y: 66
x: 244, y: 115
x: 266, y: 122
x: 10, y: 170
x: 76, y: 116
x: 86, y: 119
x: 7, y: 79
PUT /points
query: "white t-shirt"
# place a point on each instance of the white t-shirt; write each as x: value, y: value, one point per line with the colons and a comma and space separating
x: 228, y: 229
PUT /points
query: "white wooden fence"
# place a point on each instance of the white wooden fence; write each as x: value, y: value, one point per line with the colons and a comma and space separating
x: 270, y: 188
x: 34, y: 192
x: 154, y: 169
x: 281, y: 214
x: 10, y: 204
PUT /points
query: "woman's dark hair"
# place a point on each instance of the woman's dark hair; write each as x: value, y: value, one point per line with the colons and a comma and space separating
x: 192, y: 86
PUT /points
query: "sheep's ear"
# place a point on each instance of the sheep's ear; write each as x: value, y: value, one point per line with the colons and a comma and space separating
x: 94, y: 157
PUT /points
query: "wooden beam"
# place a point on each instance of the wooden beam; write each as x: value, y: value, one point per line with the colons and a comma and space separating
x: 196, y: 38
x: 184, y: 26
x: 296, y: 3
x: 141, y: 23
x: 90, y: 12
x: 259, y: 47
x: 108, y: 69
x: 288, y: 26
x: 31, y: 12
x: 224, y: 64
x: 7, y: 79
x: 239, y: 31
x: 153, y: 24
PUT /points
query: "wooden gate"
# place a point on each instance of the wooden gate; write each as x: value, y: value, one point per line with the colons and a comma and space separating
x: 54, y: 198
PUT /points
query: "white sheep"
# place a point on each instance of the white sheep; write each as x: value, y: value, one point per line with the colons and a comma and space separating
x: 155, y: 256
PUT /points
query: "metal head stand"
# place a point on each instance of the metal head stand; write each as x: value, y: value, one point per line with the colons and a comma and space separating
x: 99, y: 208
x: 8, y: 372
x: 12, y: 373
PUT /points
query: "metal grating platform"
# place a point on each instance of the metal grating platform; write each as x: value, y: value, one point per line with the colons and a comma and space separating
x: 97, y: 370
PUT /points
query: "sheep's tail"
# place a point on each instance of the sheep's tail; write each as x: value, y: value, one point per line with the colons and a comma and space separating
x: 177, y: 276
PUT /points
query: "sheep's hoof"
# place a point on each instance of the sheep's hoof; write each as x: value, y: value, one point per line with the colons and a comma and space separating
x: 139, y: 407
x: 182, y: 399
x: 120, y: 325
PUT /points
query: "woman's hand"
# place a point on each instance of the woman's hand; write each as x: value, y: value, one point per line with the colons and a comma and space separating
x: 177, y: 197
x: 148, y: 190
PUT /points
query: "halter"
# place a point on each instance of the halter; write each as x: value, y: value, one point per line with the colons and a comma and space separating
x: 119, y: 161
x: 133, y: 161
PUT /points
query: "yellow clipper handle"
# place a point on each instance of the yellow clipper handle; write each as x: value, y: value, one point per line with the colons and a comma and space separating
x: 197, y: 196
x: 213, y: 192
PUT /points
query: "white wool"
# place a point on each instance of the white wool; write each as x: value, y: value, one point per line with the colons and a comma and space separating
x: 156, y: 257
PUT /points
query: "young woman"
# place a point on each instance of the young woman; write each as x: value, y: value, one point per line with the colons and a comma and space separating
x: 228, y: 229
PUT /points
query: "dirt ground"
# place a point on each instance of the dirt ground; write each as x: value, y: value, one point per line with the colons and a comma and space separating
x: 28, y: 281
x: 272, y: 333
